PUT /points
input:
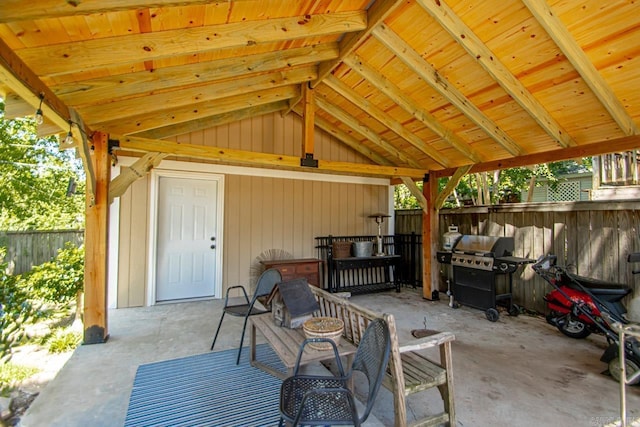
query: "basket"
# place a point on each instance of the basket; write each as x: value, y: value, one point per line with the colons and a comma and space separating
x: 342, y: 249
x: 323, y: 327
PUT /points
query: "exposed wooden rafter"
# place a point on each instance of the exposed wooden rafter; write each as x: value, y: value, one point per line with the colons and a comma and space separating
x: 492, y: 65
x: 251, y: 158
x: 375, y: 112
x: 192, y: 95
x: 171, y: 116
x: 430, y: 75
x: 567, y: 44
x: 348, y: 120
x: 21, y: 79
x: 392, y: 91
x: 142, y: 83
x: 18, y: 10
x: 119, y: 50
x: 212, y: 121
x: 376, y: 14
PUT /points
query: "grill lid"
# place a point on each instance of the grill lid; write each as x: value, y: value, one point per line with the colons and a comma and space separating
x: 485, y: 245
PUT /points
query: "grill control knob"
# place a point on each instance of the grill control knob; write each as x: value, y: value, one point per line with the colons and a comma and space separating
x: 504, y: 266
x: 477, y: 262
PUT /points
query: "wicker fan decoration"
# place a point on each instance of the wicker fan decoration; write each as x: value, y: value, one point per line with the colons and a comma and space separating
x: 257, y: 268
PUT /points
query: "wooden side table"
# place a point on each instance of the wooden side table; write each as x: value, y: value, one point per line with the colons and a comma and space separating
x: 308, y: 268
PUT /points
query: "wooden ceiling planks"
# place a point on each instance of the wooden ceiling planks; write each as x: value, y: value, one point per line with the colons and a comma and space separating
x: 486, y: 82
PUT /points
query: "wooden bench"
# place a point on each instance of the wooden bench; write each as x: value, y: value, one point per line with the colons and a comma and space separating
x: 409, y: 371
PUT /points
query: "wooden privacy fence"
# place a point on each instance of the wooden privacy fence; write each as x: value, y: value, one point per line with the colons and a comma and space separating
x: 26, y: 249
x: 592, y: 238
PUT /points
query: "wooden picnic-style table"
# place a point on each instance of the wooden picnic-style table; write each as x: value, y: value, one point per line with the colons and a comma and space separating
x: 286, y: 342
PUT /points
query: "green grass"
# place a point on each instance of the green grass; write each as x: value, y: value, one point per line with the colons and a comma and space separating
x: 11, y: 374
x: 63, y: 340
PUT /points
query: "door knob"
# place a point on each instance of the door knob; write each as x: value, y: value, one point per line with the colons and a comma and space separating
x: 213, y: 239
x: 213, y: 246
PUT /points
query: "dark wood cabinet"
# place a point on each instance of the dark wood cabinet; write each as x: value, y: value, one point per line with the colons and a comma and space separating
x: 308, y: 268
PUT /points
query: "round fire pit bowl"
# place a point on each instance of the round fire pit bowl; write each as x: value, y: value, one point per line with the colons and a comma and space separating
x: 323, y: 327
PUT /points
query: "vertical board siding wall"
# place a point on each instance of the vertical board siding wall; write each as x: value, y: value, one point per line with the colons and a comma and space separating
x: 260, y: 213
x: 593, y: 238
x: 26, y: 249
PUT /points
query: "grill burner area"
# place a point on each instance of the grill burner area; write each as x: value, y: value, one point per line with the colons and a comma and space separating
x: 472, y: 261
x: 476, y: 261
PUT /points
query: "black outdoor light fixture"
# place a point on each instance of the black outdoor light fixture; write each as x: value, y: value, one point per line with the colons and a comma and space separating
x: 379, y: 218
x: 38, y: 116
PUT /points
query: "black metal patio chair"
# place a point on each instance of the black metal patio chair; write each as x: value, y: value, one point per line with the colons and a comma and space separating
x: 267, y: 280
x: 327, y: 400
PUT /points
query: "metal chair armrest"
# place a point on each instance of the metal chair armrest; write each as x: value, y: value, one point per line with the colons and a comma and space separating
x: 314, y: 340
x: 244, y: 292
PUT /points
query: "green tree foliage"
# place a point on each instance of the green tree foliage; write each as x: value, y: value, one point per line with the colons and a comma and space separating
x: 510, y: 184
x: 34, y: 179
x: 60, y: 280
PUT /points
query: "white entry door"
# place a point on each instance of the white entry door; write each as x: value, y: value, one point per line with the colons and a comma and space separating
x: 187, y: 238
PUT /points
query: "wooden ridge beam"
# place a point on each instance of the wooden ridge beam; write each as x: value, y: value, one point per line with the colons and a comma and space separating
x: 350, y: 121
x: 251, y: 158
x: 567, y: 44
x: 609, y: 146
x: 430, y: 75
x: 395, y: 94
x: 86, y: 55
x: 142, y: 83
x: 448, y: 19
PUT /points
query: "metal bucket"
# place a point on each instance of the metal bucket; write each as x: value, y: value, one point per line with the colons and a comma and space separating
x: 362, y: 249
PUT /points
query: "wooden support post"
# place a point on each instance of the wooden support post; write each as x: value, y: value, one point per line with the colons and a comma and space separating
x: 308, y: 118
x: 96, y: 232
x: 429, y: 238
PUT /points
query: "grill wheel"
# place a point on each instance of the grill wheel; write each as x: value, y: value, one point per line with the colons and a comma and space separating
x: 492, y: 314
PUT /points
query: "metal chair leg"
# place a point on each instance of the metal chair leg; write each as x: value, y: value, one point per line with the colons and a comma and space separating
x: 244, y: 328
x: 217, y: 330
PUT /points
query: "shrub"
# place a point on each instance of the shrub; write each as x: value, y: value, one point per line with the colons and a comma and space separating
x: 59, y: 280
x: 64, y: 340
x: 15, y: 310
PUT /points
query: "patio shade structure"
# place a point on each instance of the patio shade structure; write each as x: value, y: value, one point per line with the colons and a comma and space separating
x: 423, y: 89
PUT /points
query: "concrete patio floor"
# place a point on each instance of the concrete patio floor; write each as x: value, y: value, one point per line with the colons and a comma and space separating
x: 518, y: 371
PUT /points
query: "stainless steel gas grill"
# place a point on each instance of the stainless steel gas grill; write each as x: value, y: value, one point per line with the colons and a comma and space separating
x: 476, y: 262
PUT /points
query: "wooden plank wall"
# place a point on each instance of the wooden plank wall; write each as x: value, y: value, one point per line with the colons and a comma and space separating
x: 593, y: 238
x: 26, y: 249
x: 261, y: 213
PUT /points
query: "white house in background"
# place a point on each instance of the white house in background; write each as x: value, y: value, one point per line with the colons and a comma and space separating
x: 571, y: 188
